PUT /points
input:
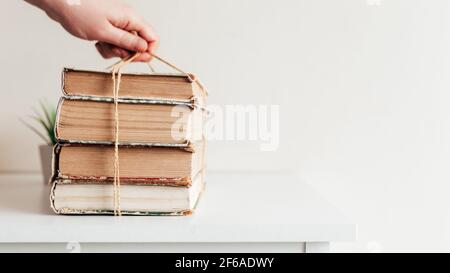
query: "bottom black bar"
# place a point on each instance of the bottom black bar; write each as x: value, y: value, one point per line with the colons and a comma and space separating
x: 217, y: 262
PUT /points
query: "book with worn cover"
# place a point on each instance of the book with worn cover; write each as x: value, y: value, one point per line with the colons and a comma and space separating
x: 165, y: 88
x: 170, y: 166
x: 88, y: 121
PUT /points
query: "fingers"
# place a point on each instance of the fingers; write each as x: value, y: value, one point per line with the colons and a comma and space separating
x: 128, y: 22
x: 124, y: 39
x: 143, y: 57
x: 148, y: 55
x: 119, y: 41
x: 143, y: 29
x: 153, y: 46
x: 110, y: 51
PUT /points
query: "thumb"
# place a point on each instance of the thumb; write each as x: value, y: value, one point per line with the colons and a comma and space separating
x: 125, y: 40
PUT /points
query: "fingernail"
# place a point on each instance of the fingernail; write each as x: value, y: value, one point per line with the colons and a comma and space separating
x: 144, y: 57
x: 142, y: 45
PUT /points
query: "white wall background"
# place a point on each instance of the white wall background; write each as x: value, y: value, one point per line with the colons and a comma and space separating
x: 363, y: 91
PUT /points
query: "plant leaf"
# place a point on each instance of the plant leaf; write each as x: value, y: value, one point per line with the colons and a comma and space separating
x: 47, y: 119
x: 35, y: 131
x: 46, y: 113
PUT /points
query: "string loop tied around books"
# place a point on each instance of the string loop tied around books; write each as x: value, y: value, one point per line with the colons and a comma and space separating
x: 116, y: 77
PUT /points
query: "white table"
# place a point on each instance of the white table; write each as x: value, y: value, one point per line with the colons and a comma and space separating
x: 239, y: 212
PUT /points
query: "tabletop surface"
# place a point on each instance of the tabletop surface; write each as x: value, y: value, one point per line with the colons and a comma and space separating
x: 235, y: 207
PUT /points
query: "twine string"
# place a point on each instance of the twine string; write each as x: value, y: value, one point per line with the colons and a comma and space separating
x: 116, y: 77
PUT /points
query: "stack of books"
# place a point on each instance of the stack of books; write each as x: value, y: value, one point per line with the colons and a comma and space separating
x: 161, y: 144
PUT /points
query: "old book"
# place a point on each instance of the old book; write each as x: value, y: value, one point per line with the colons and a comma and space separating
x: 143, y: 164
x: 87, y: 121
x: 98, y: 198
x: 155, y: 87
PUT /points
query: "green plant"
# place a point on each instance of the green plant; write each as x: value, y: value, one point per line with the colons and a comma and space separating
x: 46, y: 118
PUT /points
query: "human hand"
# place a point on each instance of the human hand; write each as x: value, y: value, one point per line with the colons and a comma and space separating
x: 110, y: 22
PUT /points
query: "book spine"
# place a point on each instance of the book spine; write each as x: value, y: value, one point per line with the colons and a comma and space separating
x: 58, y: 114
x: 70, y: 211
x: 134, y: 100
x: 52, y: 198
x: 55, y: 162
x: 177, y: 182
x: 63, y: 81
